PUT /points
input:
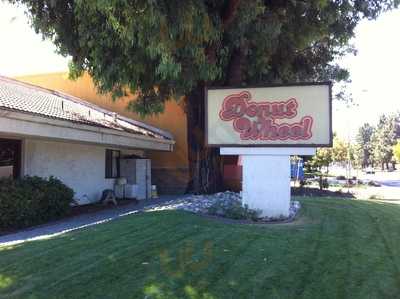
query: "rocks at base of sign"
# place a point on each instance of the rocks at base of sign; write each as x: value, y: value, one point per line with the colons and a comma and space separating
x: 218, y: 204
x: 294, y: 208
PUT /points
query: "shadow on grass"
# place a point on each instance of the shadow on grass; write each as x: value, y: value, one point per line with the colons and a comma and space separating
x: 347, y: 249
x: 160, y: 291
x: 314, y: 192
x: 175, y: 271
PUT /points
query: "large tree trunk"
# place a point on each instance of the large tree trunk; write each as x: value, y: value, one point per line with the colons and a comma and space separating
x: 205, y: 163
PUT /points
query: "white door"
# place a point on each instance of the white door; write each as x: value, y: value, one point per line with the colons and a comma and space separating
x: 143, y: 178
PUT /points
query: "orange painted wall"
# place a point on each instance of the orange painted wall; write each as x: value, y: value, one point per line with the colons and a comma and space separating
x: 173, y: 119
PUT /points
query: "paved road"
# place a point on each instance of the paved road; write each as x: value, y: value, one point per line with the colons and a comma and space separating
x: 389, y: 179
x: 389, y: 183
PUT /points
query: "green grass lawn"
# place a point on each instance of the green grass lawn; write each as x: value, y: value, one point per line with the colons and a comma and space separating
x: 336, y: 249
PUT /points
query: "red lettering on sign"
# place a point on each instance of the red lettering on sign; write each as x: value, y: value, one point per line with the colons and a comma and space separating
x: 257, y: 120
x: 234, y: 106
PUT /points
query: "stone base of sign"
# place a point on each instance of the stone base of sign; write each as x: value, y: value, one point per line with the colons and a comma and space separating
x: 266, y: 184
x: 266, y: 177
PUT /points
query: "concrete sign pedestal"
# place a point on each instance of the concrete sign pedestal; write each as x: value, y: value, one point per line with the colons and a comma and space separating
x: 266, y: 177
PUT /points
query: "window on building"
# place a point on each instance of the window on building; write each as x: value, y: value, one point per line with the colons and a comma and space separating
x: 112, y: 164
x: 10, y: 158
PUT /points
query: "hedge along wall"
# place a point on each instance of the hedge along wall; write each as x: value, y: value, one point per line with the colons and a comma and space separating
x: 32, y: 200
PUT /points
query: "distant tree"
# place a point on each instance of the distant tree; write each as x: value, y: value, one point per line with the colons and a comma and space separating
x: 396, y: 151
x: 383, y: 139
x: 397, y: 124
x: 340, y: 150
x: 352, y: 155
x: 322, y: 158
x: 363, y: 146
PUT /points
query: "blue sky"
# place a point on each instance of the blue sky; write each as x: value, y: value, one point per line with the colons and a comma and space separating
x: 374, y: 71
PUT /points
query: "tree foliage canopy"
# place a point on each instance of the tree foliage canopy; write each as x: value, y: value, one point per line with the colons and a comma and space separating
x: 341, y: 152
x: 164, y: 49
x: 161, y: 49
x: 396, y: 151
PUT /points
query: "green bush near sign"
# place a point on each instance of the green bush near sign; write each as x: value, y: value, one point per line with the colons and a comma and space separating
x: 234, y: 210
x: 32, y: 200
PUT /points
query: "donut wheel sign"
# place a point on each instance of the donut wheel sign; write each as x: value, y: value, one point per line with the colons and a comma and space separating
x: 265, y: 126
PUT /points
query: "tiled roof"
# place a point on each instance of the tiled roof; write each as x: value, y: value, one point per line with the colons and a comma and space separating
x: 27, y: 98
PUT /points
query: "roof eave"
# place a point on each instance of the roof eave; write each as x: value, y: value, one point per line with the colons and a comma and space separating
x: 26, y: 124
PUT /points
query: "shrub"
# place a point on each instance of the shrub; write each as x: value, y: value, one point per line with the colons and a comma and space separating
x: 233, y: 209
x: 32, y: 200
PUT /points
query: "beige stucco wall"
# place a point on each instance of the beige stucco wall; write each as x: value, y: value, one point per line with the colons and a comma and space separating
x: 173, y: 119
x: 169, y: 169
x: 79, y: 166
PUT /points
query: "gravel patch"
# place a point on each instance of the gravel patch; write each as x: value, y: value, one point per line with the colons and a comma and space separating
x: 200, y: 204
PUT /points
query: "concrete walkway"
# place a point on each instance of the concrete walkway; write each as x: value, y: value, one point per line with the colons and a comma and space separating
x: 78, y: 222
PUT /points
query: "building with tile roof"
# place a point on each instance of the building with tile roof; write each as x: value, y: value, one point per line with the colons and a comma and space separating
x: 169, y: 170
x: 48, y: 133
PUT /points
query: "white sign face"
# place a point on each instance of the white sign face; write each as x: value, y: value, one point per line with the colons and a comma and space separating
x: 292, y: 115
